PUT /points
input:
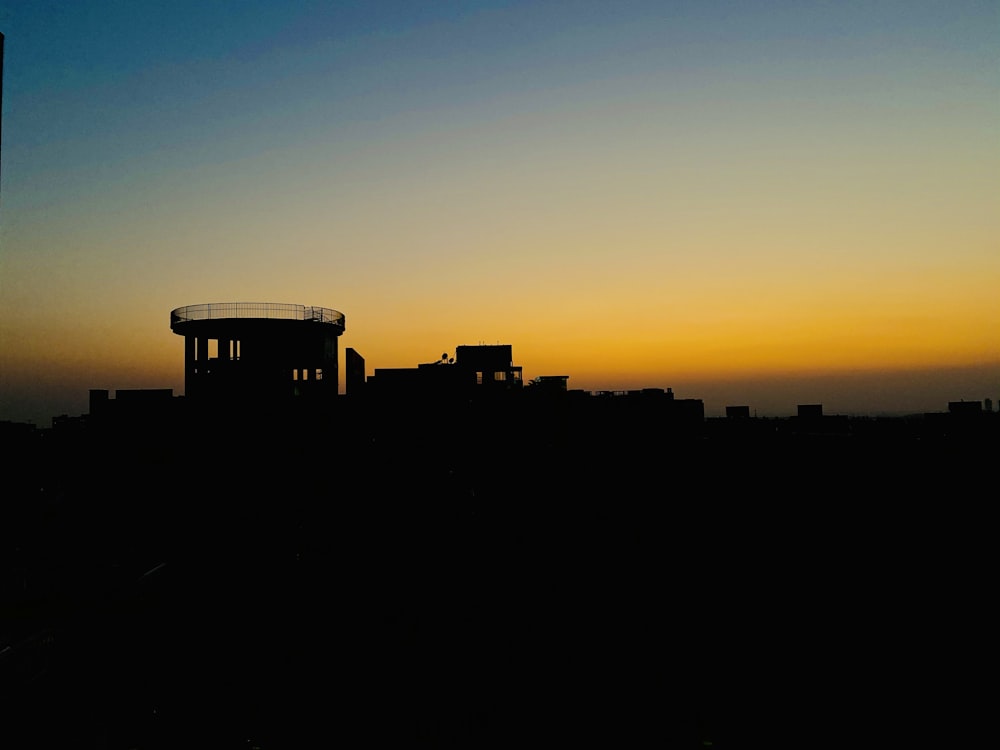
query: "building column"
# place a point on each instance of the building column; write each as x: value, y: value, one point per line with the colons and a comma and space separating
x: 190, y: 362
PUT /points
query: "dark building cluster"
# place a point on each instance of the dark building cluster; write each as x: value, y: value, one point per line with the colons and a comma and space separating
x: 442, y: 555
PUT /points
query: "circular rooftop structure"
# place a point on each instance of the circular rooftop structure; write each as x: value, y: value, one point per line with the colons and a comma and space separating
x: 255, y: 351
x: 228, y: 311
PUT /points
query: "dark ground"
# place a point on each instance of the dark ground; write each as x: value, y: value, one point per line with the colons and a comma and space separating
x: 423, y: 587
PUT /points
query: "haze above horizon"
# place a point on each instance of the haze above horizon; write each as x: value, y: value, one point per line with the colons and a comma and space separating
x: 762, y: 204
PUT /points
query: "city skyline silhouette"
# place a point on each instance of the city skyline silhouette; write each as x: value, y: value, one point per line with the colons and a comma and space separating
x: 648, y: 353
x: 751, y: 206
x: 227, y: 351
x: 463, y: 556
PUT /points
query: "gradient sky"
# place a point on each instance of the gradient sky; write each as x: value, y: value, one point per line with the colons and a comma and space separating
x: 761, y: 203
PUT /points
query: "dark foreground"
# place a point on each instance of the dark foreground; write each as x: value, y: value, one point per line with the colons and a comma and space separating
x: 416, y: 587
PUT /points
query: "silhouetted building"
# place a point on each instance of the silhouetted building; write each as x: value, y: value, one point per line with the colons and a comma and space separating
x: 132, y: 413
x: 354, y: 364
x: 738, y: 412
x: 963, y: 408
x: 142, y: 397
x: 491, y: 366
x: 254, y: 352
x: 99, y: 398
x: 136, y: 402
x: 549, y: 384
x: 476, y: 370
x: 810, y: 411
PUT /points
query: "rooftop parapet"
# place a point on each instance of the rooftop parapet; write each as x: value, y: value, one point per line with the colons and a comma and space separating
x: 254, y: 311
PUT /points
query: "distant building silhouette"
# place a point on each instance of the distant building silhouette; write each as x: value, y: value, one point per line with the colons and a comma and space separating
x: 491, y: 366
x: 810, y: 411
x: 354, y: 364
x: 547, y: 384
x: 482, y: 370
x: 259, y: 352
x: 138, y: 401
x: 963, y: 408
x: 273, y: 364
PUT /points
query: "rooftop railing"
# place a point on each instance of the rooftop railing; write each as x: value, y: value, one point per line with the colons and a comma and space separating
x: 249, y: 310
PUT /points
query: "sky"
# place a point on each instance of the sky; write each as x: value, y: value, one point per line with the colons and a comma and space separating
x: 753, y: 203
